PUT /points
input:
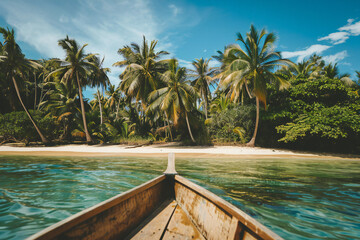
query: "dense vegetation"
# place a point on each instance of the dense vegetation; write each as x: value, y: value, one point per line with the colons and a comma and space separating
x: 255, y: 95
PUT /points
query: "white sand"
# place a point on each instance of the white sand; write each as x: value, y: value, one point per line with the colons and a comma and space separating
x: 119, y: 150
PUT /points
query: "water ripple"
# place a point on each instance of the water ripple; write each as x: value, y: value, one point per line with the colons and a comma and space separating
x: 298, y: 199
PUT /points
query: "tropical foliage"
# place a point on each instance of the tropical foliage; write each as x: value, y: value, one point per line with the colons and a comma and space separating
x: 252, y: 67
x: 252, y: 96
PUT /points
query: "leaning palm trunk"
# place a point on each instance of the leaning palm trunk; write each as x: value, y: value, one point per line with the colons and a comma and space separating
x: 188, y: 125
x: 100, y: 108
x: 88, y: 137
x: 169, y: 126
x: 43, y: 138
x: 41, y: 94
x: 252, y: 141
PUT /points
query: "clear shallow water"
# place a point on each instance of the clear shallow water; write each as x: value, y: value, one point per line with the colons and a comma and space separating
x: 297, y: 199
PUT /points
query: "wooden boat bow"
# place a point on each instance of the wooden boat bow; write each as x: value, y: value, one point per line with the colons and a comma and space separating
x: 166, y: 207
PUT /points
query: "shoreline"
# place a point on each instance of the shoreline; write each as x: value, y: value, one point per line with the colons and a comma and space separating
x: 162, y: 150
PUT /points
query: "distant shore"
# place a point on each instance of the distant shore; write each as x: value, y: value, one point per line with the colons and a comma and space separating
x: 161, y: 150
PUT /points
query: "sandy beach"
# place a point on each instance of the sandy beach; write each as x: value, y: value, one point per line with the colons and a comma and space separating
x: 162, y: 150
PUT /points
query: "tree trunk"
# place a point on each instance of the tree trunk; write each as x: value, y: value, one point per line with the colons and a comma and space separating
x: 43, y: 138
x: 169, y: 126
x: 206, y: 106
x: 247, y: 89
x: 117, y: 110
x: 11, y: 99
x: 41, y: 94
x: 35, y: 91
x: 252, y: 141
x: 101, y: 113
x: 188, y: 125
x: 88, y: 137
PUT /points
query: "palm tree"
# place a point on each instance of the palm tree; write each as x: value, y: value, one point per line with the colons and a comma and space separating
x: 113, y: 100
x: 98, y: 79
x: 46, y: 83
x: 141, y: 75
x: 332, y: 71
x: 358, y: 76
x: 14, y: 64
x: 253, y: 66
x: 63, y: 104
x: 203, y: 75
x: 220, y: 104
x: 75, y: 69
x: 177, y: 97
x: 302, y: 69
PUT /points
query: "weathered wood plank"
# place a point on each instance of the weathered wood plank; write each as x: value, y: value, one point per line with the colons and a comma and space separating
x: 213, y: 223
x: 248, y: 236
x: 112, y: 218
x: 181, y: 228
x: 257, y: 228
x: 235, y: 229
x: 157, y: 225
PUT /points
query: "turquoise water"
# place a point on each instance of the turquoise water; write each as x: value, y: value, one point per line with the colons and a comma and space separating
x: 297, y: 199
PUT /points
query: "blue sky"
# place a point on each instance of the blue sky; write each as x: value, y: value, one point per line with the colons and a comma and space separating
x: 187, y: 29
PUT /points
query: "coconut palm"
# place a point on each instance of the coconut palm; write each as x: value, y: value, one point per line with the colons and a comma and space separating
x: 14, y: 64
x: 220, y: 104
x: 332, y: 71
x: 358, y: 76
x: 302, y: 69
x: 63, y: 104
x: 252, y: 67
x: 113, y: 94
x: 75, y: 69
x: 203, y: 76
x: 177, y: 97
x: 142, y: 69
x: 98, y: 79
x: 46, y: 83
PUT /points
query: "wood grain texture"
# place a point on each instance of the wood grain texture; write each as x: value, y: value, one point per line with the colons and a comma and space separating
x: 213, y: 223
x: 181, y: 228
x: 199, y: 214
x: 235, y: 229
x: 248, y: 236
x: 113, y: 218
x: 155, y: 228
x: 188, y: 194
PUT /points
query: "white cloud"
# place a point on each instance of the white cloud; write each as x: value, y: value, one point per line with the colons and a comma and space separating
x: 336, y: 38
x: 175, y: 10
x: 336, y: 57
x: 344, y: 32
x: 188, y: 64
x: 346, y: 63
x: 354, y: 29
x: 185, y: 63
x: 105, y: 25
x: 63, y: 19
x: 317, y: 48
x: 214, y: 63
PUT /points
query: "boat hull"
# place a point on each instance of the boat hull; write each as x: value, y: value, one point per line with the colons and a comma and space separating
x: 167, y: 207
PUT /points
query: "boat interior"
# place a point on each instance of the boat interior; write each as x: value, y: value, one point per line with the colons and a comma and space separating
x: 166, y: 207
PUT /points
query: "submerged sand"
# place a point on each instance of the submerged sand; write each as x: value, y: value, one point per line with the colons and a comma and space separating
x: 162, y: 150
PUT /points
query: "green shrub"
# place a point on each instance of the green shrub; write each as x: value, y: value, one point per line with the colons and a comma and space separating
x: 321, y: 114
x: 235, y: 124
x: 18, y: 127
